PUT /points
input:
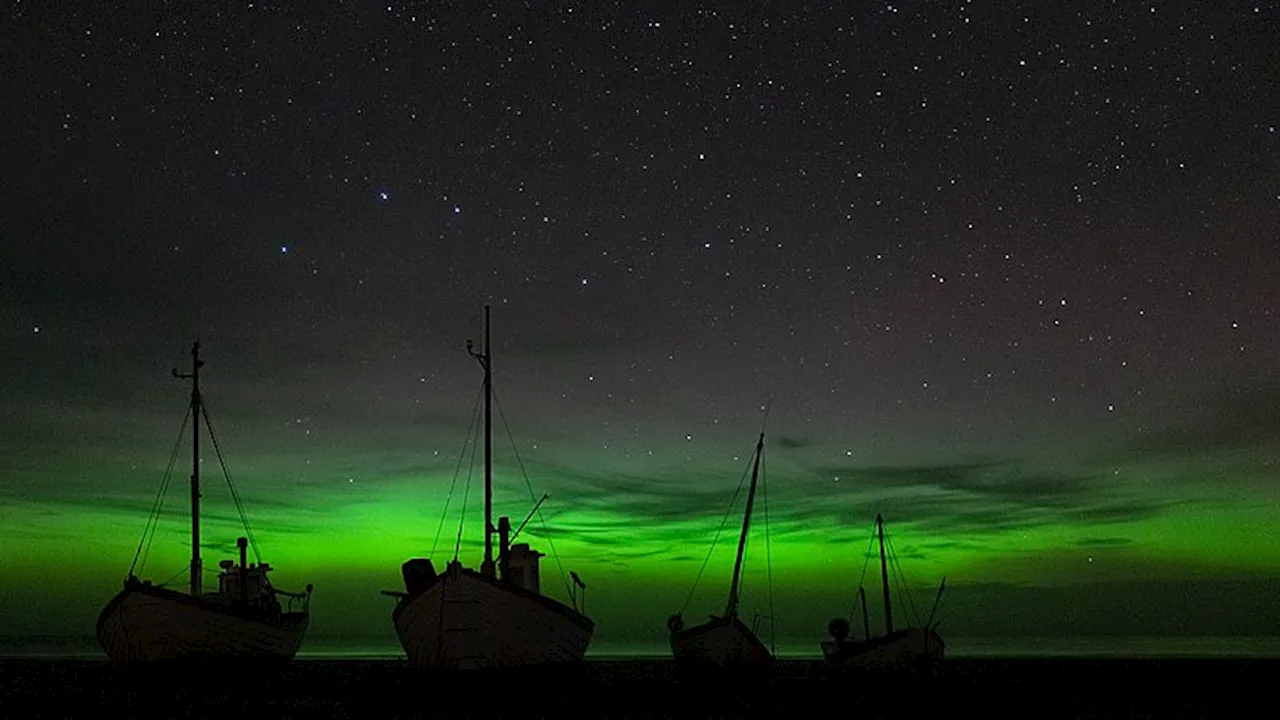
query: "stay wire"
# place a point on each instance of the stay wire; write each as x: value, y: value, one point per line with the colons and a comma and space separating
x: 533, y: 496
x: 157, y: 506
x: 466, y: 498
x: 900, y: 578
x: 768, y: 557
x: 457, y: 470
x: 723, y: 521
x: 866, y: 560
x: 235, y: 494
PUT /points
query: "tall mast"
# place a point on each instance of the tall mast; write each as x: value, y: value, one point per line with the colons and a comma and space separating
x: 196, y: 568
x: 866, y: 622
x: 884, y: 577
x: 732, y: 610
x: 487, y: 567
x: 488, y: 449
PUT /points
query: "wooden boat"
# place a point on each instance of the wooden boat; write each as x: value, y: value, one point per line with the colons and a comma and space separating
x: 724, y: 641
x: 148, y: 624
x: 916, y: 647
x: 494, y: 617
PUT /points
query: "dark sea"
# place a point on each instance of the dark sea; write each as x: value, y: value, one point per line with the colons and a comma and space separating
x: 1136, y: 678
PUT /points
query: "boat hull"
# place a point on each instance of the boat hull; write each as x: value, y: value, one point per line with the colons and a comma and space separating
x: 148, y: 625
x: 722, y: 642
x: 914, y: 648
x: 464, y: 620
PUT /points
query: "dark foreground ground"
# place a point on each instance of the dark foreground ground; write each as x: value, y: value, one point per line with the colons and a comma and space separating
x: 1077, y: 688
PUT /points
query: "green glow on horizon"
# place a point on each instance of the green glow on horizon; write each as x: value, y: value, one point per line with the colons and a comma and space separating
x: 634, y: 520
x: 371, y: 528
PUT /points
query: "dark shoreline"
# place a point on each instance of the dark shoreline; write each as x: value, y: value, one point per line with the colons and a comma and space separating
x: 316, y: 688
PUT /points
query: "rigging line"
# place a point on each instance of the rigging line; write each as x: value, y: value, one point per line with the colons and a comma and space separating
x: 153, y: 519
x: 911, y: 602
x: 176, y: 575
x: 457, y: 470
x: 466, y: 490
x: 768, y: 547
x: 866, y: 560
x: 533, y: 496
x: 153, y: 524
x: 900, y: 578
x: 466, y: 495
x: 235, y: 494
x: 723, y: 521
x: 768, y: 557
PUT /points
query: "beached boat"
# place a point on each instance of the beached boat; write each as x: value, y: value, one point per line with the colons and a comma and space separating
x: 244, y: 621
x: 916, y: 647
x: 724, y: 641
x: 496, y: 616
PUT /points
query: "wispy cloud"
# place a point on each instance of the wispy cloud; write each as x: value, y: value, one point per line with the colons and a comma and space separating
x: 1243, y: 418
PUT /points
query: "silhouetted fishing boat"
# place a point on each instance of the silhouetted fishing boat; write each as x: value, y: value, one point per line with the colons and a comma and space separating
x: 496, y: 617
x: 724, y: 641
x: 147, y: 624
x: 915, y: 647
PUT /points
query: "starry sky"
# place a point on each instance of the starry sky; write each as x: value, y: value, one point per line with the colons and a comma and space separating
x: 1004, y: 272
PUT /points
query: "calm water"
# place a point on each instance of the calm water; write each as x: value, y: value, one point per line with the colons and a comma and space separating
x: 380, y: 648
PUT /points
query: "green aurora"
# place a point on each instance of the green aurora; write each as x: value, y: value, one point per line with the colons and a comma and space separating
x: 1168, y: 535
x: 1008, y: 278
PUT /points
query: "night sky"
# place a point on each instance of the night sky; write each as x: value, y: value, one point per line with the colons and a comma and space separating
x: 1005, y: 272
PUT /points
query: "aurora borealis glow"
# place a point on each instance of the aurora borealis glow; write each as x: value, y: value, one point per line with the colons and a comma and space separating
x: 1008, y: 277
